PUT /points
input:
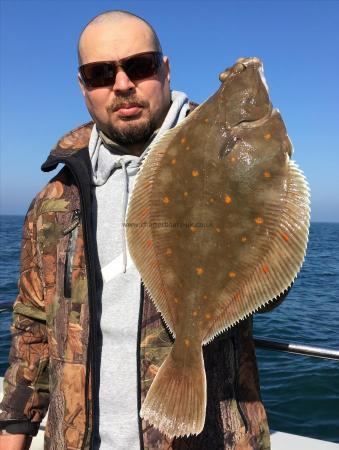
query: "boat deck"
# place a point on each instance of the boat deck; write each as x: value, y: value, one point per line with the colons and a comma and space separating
x: 286, y: 441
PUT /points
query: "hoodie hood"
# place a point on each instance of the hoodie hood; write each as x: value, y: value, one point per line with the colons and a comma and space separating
x: 107, y: 156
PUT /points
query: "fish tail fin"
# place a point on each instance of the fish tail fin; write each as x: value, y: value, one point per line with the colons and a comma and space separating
x: 176, y: 400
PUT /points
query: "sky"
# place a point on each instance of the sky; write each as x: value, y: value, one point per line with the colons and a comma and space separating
x: 297, y: 41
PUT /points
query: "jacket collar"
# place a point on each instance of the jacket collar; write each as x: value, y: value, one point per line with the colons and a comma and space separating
x: 74, y: 140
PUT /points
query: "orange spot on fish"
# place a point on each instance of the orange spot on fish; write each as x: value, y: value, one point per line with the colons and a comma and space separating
x: 195, y: 173
x: 208, y: 316
x: 267, y: 136
x: 188, y: 147
x: 259, y: 220
x: 153, y: 369
x: 265, y: 268
x: 194, y: 313
x: 267, y: 174
x: 236, y: 296
x: 206, y: 120
x: 217, y: 230
x: 149, y: 242
x: 145, y: 211
x: 243, y: 238
x: 211, y: 200
x: 193, y: 228
x: 232, y: 274
x: 205, y: 297
x: 176, y: 300
x: 173, y: 161
x: 285, y: 236
x: 233, y: 159
x: 183, y: 141
x: 187, y: 342
x: 227, y: 199
x: 185, y: 193
x: 168, y: 251
x: 199, y: 270
x: 166, y: 200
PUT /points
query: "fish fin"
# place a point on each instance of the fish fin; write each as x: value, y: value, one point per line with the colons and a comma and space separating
x: 140, y: 238
x: 289, y: 228
x: 176, y: 400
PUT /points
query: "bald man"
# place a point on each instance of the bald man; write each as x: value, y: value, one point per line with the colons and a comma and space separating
x: 87, y: 341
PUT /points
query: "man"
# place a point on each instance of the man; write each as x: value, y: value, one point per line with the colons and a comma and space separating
x: 87, y: 340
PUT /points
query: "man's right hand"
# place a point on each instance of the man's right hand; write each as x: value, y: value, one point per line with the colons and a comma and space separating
x: 15, y: 442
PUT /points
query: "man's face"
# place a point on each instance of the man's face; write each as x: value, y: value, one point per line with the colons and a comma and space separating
x: 129, y: 111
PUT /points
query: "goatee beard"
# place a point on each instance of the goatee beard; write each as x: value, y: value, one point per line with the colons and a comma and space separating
x: 131, y: 133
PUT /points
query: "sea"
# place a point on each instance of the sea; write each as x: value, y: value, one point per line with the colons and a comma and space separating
x: 300, y: 393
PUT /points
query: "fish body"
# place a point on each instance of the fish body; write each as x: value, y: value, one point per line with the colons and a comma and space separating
x: 217, y: 226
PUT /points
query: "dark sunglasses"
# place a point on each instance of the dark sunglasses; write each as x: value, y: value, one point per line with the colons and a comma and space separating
x: 136, y: 67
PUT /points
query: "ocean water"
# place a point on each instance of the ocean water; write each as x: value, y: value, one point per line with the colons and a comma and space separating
x: 301, y: 393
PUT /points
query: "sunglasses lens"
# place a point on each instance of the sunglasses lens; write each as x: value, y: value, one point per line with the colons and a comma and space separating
x: 137, y: 67
x: 98, y: 74
x: 142, y: 66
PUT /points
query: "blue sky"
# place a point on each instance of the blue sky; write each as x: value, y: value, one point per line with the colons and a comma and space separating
x: 297, y: 41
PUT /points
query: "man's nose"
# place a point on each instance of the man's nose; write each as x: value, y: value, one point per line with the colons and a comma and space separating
x: 122, y: 82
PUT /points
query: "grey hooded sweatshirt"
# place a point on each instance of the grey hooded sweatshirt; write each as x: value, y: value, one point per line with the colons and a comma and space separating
x: 114, y: 172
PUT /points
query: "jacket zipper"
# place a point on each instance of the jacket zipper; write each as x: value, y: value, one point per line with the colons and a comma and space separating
x: 236, y: 383
x: 72, y: 229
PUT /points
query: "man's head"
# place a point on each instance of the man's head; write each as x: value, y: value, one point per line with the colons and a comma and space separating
x: 127, y: 111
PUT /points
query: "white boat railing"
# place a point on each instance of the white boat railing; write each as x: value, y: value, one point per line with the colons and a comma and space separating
x: 298, y: 349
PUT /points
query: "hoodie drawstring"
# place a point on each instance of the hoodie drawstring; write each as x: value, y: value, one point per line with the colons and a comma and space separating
x: 124, y: 207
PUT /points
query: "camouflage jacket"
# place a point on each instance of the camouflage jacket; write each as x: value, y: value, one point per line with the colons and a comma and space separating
x: 55, y: 332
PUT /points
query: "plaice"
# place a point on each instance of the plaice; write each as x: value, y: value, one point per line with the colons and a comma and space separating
x: 217, y: 226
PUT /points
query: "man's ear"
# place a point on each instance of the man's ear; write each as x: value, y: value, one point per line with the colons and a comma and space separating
x: 81, y: 84
x: 167, y: 68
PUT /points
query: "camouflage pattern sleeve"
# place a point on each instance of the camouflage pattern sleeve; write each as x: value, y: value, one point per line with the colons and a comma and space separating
x: 26, y: 392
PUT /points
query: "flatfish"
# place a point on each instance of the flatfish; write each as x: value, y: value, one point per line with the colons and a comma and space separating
x: 217, y: 225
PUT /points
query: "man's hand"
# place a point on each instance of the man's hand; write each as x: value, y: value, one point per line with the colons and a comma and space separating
x: 15, y: 442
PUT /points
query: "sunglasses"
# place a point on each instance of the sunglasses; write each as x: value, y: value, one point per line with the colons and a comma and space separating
x: 136, y: 67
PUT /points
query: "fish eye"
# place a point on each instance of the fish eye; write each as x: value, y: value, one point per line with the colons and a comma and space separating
x: 239, y: 67
x: 223, y: 76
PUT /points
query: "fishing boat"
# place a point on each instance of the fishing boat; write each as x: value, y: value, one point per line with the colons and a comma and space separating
x: 279, y: 440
